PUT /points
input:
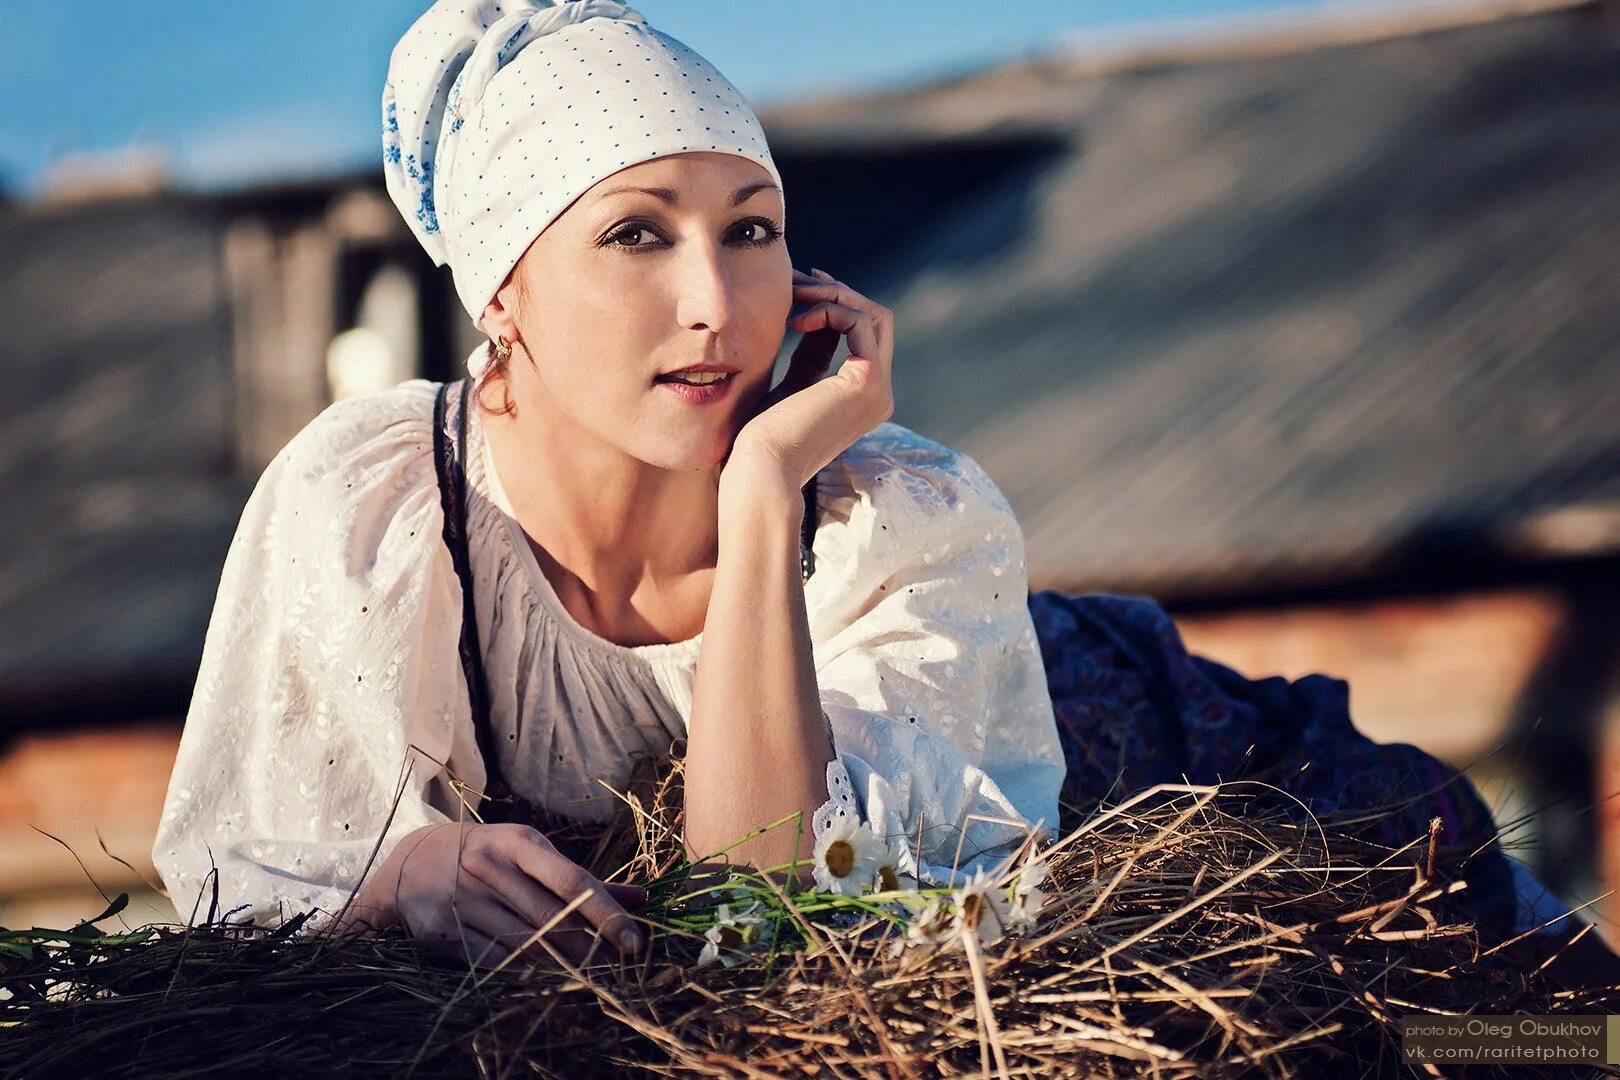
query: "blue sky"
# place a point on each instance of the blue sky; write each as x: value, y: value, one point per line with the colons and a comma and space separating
x: 242, y: 91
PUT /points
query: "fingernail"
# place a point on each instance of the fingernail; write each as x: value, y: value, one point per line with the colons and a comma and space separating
x: 630, y: 939
x: 818, y: 270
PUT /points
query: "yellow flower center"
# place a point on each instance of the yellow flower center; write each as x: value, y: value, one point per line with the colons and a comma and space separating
x: 840, y: 858
x: 972, y: 908
x: 887, y: 881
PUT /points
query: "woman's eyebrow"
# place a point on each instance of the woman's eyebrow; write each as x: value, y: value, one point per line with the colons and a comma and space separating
x: 670, y: 196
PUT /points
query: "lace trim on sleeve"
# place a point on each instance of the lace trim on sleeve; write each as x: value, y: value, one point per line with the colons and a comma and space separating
x: 839, y: 790
x: 840, y: 802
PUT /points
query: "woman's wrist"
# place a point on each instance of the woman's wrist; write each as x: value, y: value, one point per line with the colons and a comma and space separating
x: 754, y: 484
x: 376, y: 902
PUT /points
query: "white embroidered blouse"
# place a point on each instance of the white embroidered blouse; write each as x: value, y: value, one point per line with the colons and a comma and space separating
x: 332, y: 650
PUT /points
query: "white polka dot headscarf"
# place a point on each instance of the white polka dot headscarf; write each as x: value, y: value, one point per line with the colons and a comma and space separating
x: 497, y: 116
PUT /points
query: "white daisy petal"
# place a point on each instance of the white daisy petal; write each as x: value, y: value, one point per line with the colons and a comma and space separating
x: 735, y: 933
x: 932, y: 926
x: 982, y: 908
x: 1028, y: 896
x: 846, y: 857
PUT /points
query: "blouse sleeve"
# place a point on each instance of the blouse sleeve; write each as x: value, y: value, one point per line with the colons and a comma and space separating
x: 329, y: 677
x: 926, y: 658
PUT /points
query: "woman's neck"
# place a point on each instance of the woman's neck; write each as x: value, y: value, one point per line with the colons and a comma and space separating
x: 616, y: 525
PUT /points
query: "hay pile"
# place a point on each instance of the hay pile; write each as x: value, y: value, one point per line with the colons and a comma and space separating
x: 1181, y: 935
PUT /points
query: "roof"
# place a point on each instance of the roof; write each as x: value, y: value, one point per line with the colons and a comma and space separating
x: 1233, y: 324
x: 118, y: 458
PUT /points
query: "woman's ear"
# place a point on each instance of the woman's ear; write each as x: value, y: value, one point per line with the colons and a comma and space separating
x: 499, y: 319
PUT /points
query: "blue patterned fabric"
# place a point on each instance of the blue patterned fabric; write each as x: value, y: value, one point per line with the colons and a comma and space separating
x: 1135, y: 709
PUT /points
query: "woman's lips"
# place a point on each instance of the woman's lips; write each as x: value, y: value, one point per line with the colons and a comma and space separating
x: 698, y: 395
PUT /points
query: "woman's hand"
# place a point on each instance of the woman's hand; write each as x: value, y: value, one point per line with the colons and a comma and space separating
x: 806, y: 420
x: 481, y: 891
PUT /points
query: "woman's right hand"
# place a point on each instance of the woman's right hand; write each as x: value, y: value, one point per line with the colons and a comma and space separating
x: 482, y: 890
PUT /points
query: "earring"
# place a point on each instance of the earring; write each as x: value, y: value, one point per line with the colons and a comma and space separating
x: 503, y: 351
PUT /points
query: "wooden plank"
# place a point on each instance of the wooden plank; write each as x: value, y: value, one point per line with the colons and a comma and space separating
x: 77, y: 785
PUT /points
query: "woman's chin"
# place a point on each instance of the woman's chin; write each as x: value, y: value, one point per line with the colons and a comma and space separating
x: 701, y: 436
x: 692, y: 451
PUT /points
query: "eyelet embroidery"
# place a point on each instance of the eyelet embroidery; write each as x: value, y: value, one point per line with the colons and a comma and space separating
x: 840, y: 799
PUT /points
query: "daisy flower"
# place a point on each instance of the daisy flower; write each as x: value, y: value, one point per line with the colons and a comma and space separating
x: 886, y: 874
x: 932, y: 926
x: 982, y: 908
x: 732, y: 934
x: 1028, y: 896
x: 847, y: 857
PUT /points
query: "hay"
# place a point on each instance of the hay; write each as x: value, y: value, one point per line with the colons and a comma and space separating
x: 1182, y: 935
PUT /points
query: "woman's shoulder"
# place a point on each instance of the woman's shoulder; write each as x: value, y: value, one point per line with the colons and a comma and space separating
x: 357, y: 486
x: 898, y: 471
x: 898, y: 503
x: 369, y: 430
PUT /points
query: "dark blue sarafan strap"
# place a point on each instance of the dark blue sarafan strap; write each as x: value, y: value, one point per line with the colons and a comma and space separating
x: 453, y: 497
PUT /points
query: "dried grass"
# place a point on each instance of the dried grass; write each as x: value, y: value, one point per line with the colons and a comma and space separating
x: 1184, y: 935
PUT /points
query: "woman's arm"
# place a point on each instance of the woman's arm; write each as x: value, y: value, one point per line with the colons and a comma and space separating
x: 758, y: 744
x: 320, y: 723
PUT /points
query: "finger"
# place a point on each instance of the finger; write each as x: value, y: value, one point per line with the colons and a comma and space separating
x: 571, y: 938
x: 477, y: 949
x: 829, y: 288
x: 821, y: 287
x: 825, y: 286
x: 629, y: 896
x: 464, y: 939
x: 534, y: 905
x: 856, y: 326
x: 567, y: 880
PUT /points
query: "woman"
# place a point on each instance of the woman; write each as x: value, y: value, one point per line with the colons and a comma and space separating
x: 545, y: 576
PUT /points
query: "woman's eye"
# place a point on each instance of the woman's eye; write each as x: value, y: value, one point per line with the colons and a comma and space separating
x: 768, y: 232
x: 757, y: 232
x: 631, y: 231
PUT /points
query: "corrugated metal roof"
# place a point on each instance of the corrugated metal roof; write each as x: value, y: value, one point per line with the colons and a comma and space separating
x: 1286, y: 319
x: 117, y: 463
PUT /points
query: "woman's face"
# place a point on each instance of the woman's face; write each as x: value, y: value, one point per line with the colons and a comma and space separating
x: 627, y: 284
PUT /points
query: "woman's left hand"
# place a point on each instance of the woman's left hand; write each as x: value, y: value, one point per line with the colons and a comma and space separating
x: 806, y: 420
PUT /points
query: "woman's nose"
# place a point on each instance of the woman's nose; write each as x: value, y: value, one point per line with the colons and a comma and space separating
x: 709, y: 292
